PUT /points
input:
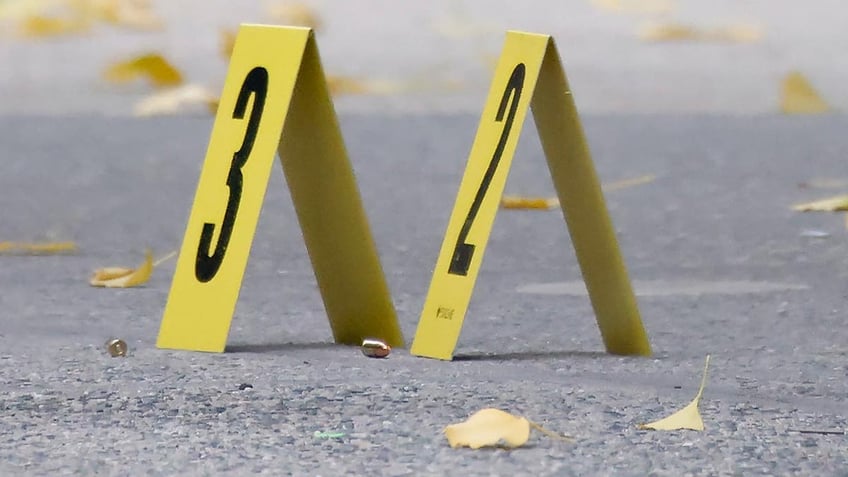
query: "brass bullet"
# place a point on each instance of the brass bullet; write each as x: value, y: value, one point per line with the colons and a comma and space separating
x: 116, y: 348
x: 375, y: 348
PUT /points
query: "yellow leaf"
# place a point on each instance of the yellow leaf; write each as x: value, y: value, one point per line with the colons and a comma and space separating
x: 152, y: 66
x: 797, y: 96
x: 39, y: 26
x: 492, y: 427
x: 105, y: 10
x: 678, y: 32
x: 46, y: 248
x: 489, y: 427
x: 518, y: 202
x: 635, y: 6
x: 15, y: 10
x: 175, y: 100
x: 228, y: 41
x: 832, y: 204
x: 118, y: 277
x: 626, y: 183
x: 340, y: 85
x: 686, y: 418
x: 547, y: 203
x: 294, y: 14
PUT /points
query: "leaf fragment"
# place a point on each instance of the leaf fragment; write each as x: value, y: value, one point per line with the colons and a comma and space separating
x: 680, y: 32
x: 151, y: 66
x: 134, y: 14
x: 832, y: 204
x: 227, y: 41
x: 42, y: 26
x: 537, y: 203
x: 686, y: 418
x: 635, y: 6
x: 175, y: 100
x: 16, y: 10
x: 627, y: 183
x: 491, y: 427
x: 119, y: 277
x: 44, y: 248
x: 797, y: 96
x: 548, y: 203
x: 294, y: 14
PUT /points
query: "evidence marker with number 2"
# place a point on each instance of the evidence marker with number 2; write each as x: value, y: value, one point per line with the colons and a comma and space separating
x: 275, y: 99
x: 529, y: 75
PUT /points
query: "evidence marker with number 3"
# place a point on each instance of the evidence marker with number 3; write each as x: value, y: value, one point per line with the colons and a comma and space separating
x: 275, y: 99
x: 529, y: 75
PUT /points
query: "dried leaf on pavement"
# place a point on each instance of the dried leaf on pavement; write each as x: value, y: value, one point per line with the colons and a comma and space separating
x: 34, y: 248
x: 120, y: 277
x: 492, y: 427
x: 548, y: 203
x: 797, y: 96
x: 627, y: 183
x: 227, y: 42
x: 686, y: 418
x: 520, y: 202
x: 294, y: 14
x: 176, y: 100
x: 16, y: 10
x: 151, y: 66
x: 832, y: 204
x: 678, y: 32
x: 635, y: 6
x: 42, y: 26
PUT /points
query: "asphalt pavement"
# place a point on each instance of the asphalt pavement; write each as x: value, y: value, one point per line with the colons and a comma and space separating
x: 720, y: 263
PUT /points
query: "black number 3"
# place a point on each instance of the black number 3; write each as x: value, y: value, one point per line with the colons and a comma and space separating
x: 207, y: 265
x: 462, y: 253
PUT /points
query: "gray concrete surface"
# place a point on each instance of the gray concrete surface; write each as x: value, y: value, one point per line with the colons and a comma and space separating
x: 441, y: 52
x: 713, y: 232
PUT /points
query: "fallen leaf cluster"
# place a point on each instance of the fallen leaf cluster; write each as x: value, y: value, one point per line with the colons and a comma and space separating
x: 491, y: 427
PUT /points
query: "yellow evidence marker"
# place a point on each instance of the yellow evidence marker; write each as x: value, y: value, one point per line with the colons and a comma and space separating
x: 275, y: 98
x: 529, y: 74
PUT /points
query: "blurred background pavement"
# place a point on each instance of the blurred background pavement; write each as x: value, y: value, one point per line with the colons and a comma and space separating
x: 622, y: 56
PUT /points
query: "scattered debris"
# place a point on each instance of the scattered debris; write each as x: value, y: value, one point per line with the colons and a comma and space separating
x: 294, y: 14
x: 176, y: 100
x: 41, y: 26
x: 832, y: 204
x: 328, y: 435
x: 494, y: 428
x: 119, y: 277
x: 151, y: 66
x: 627, y: 183
x: 635, y: 6
x: 45, y: 248
x: 548, y: 203
x: 375, y: 348
x: 227, y: 42
x: 686, y: 418
x: 678, y: 32
x: 538, y: 203
x: 797, y: 96
x: 116, y: 347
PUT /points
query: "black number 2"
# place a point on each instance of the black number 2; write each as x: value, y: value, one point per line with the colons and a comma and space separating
x: 207, y: 264
x: 462, y: 253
